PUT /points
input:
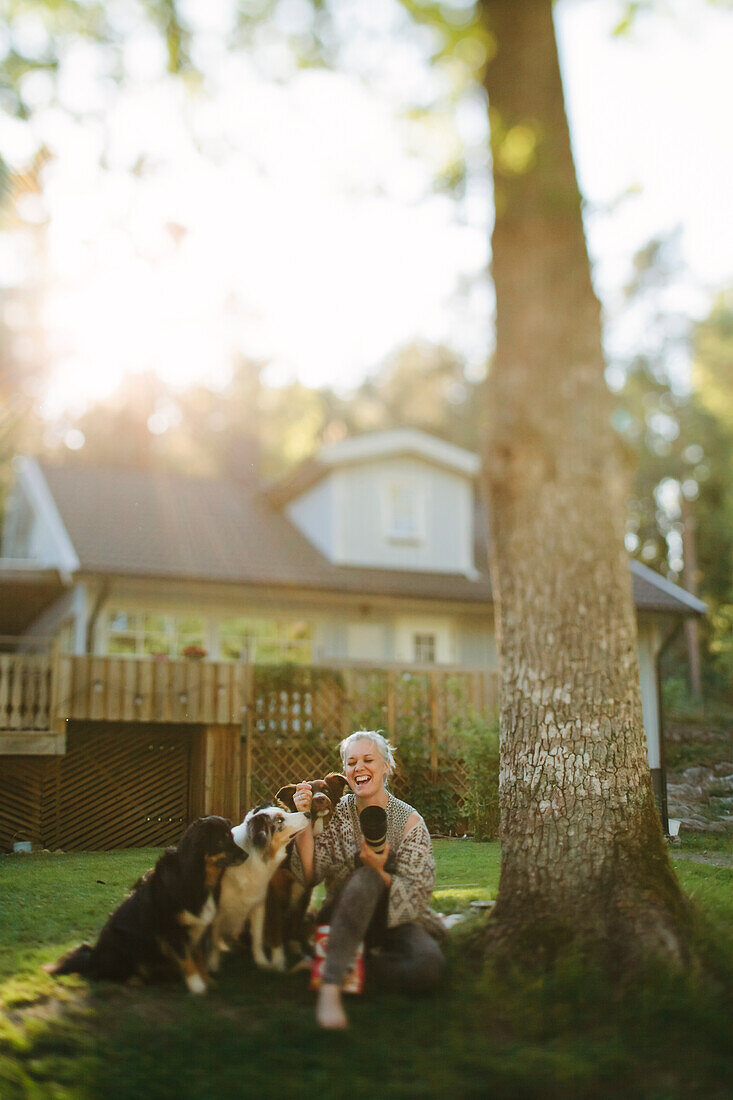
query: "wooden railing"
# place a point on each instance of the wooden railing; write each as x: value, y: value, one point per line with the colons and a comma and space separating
x: 40, y: 693
x: 25, y: 692
x: 121, y: 689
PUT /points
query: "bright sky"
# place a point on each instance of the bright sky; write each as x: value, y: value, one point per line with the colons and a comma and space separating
x: 311, y: 236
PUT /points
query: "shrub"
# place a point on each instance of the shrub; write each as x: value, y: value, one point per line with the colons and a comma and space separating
x: 464, y: 795
x: 481, y: 759
x: 675, y: 696
x: 433, y: 796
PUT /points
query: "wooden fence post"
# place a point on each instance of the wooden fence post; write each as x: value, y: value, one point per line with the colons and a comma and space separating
x: 433, y: 725
x: 248, y: 730
x: 53, y: 694
x: 346, y: 716
x: 391, y: 725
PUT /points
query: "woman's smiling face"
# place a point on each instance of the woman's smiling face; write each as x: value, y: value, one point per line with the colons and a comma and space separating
x: 365, y: 768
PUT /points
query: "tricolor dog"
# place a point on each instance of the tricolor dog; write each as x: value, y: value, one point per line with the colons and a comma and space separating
x: 160, y: 930
x: 287, y: 898
x: 263, y: 836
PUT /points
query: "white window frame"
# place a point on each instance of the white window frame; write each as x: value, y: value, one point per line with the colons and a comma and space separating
x: 444, y: 628
x: 138, y: 633
x: 212, y: 633
x: 429, y: 640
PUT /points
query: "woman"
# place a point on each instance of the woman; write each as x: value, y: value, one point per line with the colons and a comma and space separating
x: 381, y: 899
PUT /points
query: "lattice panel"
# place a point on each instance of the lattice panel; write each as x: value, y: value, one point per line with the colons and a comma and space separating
x: 412, y: 704
x: 297, y: 725
x: 125, y: 787
x: 311, y: 701
x: 328, y: 708
x: 366, y: 699
x: 279, y: 761
x: 21, y: 788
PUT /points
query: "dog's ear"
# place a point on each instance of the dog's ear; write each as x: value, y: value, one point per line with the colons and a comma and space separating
x: 336, y: 783
x: 285, y: 796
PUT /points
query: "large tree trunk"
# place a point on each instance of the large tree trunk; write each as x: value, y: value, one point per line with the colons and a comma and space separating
x: 583, y: 857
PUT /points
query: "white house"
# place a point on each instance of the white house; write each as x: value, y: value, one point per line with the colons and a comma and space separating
x: 374, y: 550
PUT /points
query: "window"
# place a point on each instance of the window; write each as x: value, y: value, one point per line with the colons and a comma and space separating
x: 243, y: 638
x: 424, y: 648
x: 265, y: 641
x: 146, y: 633
x: 405, y: 511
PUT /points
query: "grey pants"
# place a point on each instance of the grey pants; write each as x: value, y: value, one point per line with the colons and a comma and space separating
x: 405, y: 958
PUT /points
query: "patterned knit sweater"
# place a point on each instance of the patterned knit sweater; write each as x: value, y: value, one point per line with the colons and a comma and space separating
x: 411, y: 861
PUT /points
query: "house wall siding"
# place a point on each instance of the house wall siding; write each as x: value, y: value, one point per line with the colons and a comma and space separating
x: 447, y: 534
x: 25, y: 535
x: 345, y: 517
x: 344, y: 630
x: 476, y: 644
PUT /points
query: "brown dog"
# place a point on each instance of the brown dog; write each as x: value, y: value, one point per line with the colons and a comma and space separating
x: 287, y: 898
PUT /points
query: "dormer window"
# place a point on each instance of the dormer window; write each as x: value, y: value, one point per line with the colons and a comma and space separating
x: 405, y: 510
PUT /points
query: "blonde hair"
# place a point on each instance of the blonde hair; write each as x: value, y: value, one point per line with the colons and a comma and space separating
x: 377, y: 738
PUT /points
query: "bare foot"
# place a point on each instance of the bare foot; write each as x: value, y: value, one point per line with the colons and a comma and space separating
x: 329, y: 1009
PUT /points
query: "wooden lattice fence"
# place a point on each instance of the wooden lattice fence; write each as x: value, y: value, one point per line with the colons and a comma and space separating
x: 205, y: 721
x: 298, y: 715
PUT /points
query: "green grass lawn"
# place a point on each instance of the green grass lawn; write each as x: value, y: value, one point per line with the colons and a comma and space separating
x: 563, y: 1036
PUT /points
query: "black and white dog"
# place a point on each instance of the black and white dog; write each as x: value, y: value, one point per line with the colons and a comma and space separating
x: 263, y: 835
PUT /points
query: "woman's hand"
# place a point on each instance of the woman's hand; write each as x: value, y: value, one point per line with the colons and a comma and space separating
x: 370, y: 858
x: 303, y: 797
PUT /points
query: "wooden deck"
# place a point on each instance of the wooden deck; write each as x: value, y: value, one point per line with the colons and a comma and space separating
x: 38, y: 695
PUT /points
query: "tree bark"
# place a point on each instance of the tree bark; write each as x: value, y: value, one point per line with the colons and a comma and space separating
x: 583, y: 857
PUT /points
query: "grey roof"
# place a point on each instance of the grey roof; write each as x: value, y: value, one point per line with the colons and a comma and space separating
x: 138, y: 523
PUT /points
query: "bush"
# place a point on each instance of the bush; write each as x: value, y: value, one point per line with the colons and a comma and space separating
x: 675, y: 696
x: 433, y: 797
x: 464, y: 796
x: 481, y: 759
